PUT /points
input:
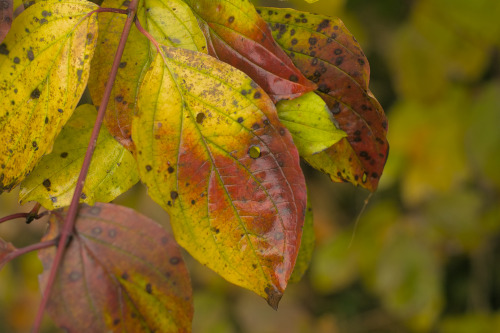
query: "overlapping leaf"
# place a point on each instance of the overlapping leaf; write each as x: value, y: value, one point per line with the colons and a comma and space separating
x: 213, y: 153
x: 5, y: 249
x: 44, y: 63
x: 112, y: 171
x: 306, y: 247
x: 6, y: 16
x: 324, y: 50
x: 169, y: 22
x: 121, y: 272
x: 236, y: 34
x: 310, y: 122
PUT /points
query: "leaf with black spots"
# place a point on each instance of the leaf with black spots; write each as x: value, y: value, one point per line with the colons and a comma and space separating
x: 44, y: 65
x: 121, y: 272
x: 112, y: 171
x: 214, y: 155
x: 327, y: 53
x: 237, y: 35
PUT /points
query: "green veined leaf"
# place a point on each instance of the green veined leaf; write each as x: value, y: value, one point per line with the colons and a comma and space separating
x: 306, y: 247
x: 237, y: 35
x: 213, y: 153
x: 121, y: 272
x: 44, y: 64
x: 327, y: 53
x: 170, y: 22
x: 113, y: 169
x: 310, y: 122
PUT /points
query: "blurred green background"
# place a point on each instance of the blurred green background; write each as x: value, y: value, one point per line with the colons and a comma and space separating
x: 424, y: 255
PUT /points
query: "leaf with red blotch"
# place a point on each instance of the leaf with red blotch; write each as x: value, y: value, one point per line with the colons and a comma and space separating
x: 5, y: 249
x: 326, y: 53
x: 237, y: 35
x: 121, y: 272
x: 214, y: 155
x: 6, y: 14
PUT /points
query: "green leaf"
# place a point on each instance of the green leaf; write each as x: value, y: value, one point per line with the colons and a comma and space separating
x: 170, y: 22
x: 213, y: 153
x: 306, y: 247
x: 44, y: 65
x: 310, y: 122
x: 112, y: 170
x: 121, y: 272
x: 329, y: 55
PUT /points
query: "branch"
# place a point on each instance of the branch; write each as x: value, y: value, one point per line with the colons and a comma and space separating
x: 30, y: 216
x: 27, y: 249
x: 73, y: 208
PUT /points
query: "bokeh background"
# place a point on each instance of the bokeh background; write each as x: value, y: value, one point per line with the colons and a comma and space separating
x: 424, y: 255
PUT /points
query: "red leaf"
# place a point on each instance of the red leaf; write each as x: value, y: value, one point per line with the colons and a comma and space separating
x: 326, y: 52
x: 121, y: 272
x: 6, y: 13
x: 5, y: 249
x: 237, y: 35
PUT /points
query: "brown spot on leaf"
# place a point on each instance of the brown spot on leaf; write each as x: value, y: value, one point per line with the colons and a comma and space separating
x: 200, y: 117
x: 174, y: 260
x: 46, y: 183
x: 35, y: 93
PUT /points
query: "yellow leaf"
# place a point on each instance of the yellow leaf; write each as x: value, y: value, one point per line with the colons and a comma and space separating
x: 112, y: 171
x: 44, y: 65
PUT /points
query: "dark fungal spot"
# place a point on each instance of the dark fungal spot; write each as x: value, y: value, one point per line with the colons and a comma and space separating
x: 313, y: 41
x: 46, y: 183
x: 174, y: 195
x: 125, y: 276
x: 95, y: 210
x: 323, y: 88
x: 35, y: 93
x: 53, y: 199
x: 336, y: 108
x: 384, y: 125
x: 253, y: 84
x: 96, y: 231
x: 170, y: 169
x: 314, y: 62
x: 294, y: 41
x: 149, y: 289
x: 116, y: 321
x: 244, y: 92
x: 324, y: 24
x: 230, y: 19
x: 3, y: 49
x: 200, y: 117
x: 46, y: 13
x: 337, y: 51
x: 257, y: 95
x: 43, y: 21
x: 17, y: 60
x: 259, y: 11
x: 79, y: 74
x: 361, y: 62
x: 83, y: 196
x: 46, y: 120
x: 240, y: 120
x: 123, y: 64
x: 255, y: 126
x: 304, y: 20
x: 292, y: 32
x: 60, y: 110
x: 174, y: 260
x: 90, y: 37
x: 193, y: 202
x: 266, y: 122
x: 149, y: 168
x: 288, y: 15
x: 30, y: 55
x: 282, y: 131
x: 293, y: 78
x: 4, y: 4
x: 339, y: 61
x: 119, y: 98
x: 34, y: 144
x: 64, y: 154
x: 374, y: 175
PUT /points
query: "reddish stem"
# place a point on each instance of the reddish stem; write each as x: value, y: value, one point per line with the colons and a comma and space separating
x: 27, y: 249
x: 32, y: 215
x: 73, y: 208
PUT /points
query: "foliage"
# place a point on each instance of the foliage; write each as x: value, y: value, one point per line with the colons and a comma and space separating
x: 202, y: 103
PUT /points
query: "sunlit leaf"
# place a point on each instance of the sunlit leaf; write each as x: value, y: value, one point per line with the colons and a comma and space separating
x: 310, y: 122
x: 112, y: 171
x: 236, y: 34
x: 44, y: 64
x: 306, y: 247
x: 213, y: 153
x: 121, y: 272
x: 327, y: 53
x: 5, y: 249
x: 6, y: 17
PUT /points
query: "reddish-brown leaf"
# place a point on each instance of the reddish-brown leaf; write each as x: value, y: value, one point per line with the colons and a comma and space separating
x: 121, y: 272
x: 237, y: 35
x: 5, y: 249
x: 326, y: 52
x: 6, y: 13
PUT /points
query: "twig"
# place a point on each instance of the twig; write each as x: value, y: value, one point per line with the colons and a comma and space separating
x: 30, y: 216
x: 27, y: 249
x: 73, y: 208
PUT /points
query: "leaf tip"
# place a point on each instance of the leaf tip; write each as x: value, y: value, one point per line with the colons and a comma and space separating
x: 273, y: 296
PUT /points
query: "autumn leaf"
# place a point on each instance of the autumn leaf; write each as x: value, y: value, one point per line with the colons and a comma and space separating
x: 121, y: 272
x: 170, y: 22
x: 213, y: 153
x: 237, y: 35
x: 6, y: 17
x: 44, y: 64
x: 113, y: 169
x: 326, y: 53
x: 310, y: 122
